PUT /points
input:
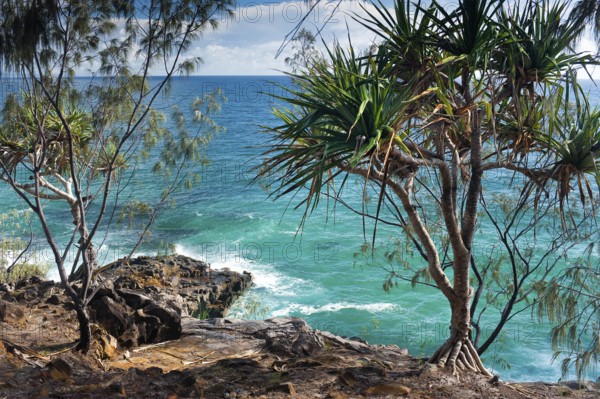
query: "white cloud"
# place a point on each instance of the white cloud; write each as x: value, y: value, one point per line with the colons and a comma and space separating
x: 248, y: 43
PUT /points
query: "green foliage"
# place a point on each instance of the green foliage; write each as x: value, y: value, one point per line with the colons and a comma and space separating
x: 22, y: 271
x: 539, y: 42
x: 343, y: 112
x: 131, y: 210
x: 402, y: 35
x: 11, y: 248
x: 80, y: 142
x: 15, y: 228
x: 575, y: 142
x: 254, y: 310
x: 372, y: 330
x: 586, y: 13
x: 16, y: 260
x: 571, y: 301
x: 25, y: 119
x: 469, y: 29
x: 203, y: 312
x: 166, y: 249
x: 249, y: 307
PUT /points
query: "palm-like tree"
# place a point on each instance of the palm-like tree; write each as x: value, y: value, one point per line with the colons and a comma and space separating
x: 449, y: 97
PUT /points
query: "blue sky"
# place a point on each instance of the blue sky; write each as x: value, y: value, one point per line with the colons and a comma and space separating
x: 248, y: 43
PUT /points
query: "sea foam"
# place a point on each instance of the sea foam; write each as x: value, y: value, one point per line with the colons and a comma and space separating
x: 306, y: 310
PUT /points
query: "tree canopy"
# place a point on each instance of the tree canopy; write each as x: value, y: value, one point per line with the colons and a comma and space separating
x: 450, y: 100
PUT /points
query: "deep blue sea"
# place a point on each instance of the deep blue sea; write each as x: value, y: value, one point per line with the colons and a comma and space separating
x: 312, y: 273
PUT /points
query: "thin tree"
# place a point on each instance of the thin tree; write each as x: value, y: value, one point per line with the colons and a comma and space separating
x: 451, y: 97
x: 304, y: 50
x: 79, y: 142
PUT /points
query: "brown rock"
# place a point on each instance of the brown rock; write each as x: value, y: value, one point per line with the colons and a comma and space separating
x: 108, y: 345
x: 193, y: 281
x: 348, y: 379
x: 286, y: 387
x: 388, y: 389
x: 118, y: 388
x: 59, y: 370
x: 337, y: 395
x: 169, y: 316
x: 429, y: 369
x: 41, y: 392
x: 135, y: 299
x: 238, y: 362
x: 11, y: 313
x: 54, y: 299
x: 148, y: 295
x: 110, y: 314
x: 7, y: 287
x: 292, y: 337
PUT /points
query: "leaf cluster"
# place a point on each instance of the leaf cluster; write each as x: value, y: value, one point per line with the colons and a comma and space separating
x: 434, y: 71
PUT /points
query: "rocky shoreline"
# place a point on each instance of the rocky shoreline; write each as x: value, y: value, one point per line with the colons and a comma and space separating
x: 159, y: 332
x: 141, y: 301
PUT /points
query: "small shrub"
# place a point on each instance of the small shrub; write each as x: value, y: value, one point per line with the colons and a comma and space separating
x: 22, y: 271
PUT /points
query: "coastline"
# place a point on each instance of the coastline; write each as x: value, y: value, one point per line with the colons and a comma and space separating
x: 216, y: 357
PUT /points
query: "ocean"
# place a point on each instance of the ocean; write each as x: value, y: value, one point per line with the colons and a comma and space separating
x: 317, y: 272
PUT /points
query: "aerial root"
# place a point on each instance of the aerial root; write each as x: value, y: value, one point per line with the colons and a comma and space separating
x: 454, y: 354
x: 444, y: 358
x: 469, y: 358
x: 462, y: 357
x: 478, y: 364
x: 459, y: 356
x: 438, y: 351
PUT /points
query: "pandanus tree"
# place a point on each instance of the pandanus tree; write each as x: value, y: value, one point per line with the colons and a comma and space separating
x: 450, y: 97
x: 80, y: 142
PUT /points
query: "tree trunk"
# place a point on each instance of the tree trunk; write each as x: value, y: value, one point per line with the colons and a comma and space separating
x: 88, y: 254
x: 458, y: 352
x: 85, y: 332
x: 83, y: 273
x: 87, y: 267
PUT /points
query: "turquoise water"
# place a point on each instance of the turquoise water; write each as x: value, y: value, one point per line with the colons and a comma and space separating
x: 313, y: 273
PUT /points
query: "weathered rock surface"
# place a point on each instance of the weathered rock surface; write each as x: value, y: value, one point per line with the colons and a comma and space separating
x: 290, y: 337
x: 284, y: 357
x: 140, y: 301
x: 199, y: 290
x: 265, y: 358
x: 32, y: 290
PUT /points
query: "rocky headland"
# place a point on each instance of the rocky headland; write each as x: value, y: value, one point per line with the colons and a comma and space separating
x: 160, y: 332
